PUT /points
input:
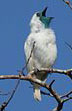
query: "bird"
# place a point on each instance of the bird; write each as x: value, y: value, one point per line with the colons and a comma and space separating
x: 44, y: 53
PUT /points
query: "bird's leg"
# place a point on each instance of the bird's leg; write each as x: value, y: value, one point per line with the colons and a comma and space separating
x: 36, y: 74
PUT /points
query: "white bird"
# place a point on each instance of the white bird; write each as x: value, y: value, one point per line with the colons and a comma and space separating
x: 44, y: 53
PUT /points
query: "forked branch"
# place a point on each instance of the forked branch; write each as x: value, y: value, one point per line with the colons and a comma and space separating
x: 29, y: 78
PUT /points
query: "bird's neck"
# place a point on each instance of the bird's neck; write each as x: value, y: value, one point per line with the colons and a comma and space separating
x: 37, y: 25
x: 37, y: 28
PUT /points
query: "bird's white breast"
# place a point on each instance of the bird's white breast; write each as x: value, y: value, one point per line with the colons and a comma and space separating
x: 45, y: 51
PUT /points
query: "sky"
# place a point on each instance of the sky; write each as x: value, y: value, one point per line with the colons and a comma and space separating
x: 15, y: 16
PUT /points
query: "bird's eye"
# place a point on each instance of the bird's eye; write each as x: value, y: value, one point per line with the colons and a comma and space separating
x: 38, y: 14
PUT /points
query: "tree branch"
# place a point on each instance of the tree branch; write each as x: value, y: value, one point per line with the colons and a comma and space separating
x: 45, y: 93
x: 5, y: 104
x: 67, y: 95
x: 68, y: 3
x: 67, y: 72
x: 30, y: 78
x: 27, y: 60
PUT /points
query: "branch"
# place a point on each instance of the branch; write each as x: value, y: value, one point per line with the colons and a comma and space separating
x: 45, y: 93
x: 48, y: 94
x: 59, y: 107
x: 4, y: 94
x: 68, y: 3
x: 30, y: 78
x: 67, y: 95
x: 67, y: 72
x: 5, y: 104
x: 28, y: 59
x: 68, y: 45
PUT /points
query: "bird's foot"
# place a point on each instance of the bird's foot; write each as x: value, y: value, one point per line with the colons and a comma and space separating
x: 36, y: 70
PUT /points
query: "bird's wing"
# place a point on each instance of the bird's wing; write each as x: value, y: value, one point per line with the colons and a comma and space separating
x: 29, y: 54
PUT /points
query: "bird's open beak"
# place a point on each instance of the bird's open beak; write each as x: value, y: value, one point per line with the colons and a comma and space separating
x: 44, y: 11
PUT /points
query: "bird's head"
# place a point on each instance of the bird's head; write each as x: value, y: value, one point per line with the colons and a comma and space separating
x: 40, y: 20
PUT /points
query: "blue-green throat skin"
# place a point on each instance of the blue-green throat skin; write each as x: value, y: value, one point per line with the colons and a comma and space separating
x: 46, y: 21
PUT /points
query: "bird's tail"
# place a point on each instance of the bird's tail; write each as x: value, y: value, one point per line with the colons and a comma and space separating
x: 37, y: 94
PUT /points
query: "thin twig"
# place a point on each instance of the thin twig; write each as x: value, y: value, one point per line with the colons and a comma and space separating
x: 67, y: 95
x: 5, y: 94
x: 45, y: 93
x: 29, y: 57
x: 5, y: 104
x: 52, y: 83
x: 68, y: 45
x: 65, y: 100
x: 68, y: 3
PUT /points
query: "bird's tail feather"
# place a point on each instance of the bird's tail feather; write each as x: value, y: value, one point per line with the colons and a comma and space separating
x: 37, y: 94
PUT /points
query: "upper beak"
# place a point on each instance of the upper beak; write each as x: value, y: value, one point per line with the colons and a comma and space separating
x: 44, y: 11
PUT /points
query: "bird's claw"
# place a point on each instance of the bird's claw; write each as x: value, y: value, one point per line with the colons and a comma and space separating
x: 36, y: 70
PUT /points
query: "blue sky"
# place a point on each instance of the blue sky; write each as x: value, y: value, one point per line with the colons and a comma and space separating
x: 15, y: 16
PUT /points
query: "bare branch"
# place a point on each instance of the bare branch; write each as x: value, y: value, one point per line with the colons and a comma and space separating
x: 52, y: 83
x: 67, y: 72
x: 29, y: 78
x: 45, y: 93
x: 5, y: 104
x: 68, y: 45
x: 59, y: 107
x: 28, y: 58
x: 68, y: 3
x: 65, y: 100
x: 5, y: 94
x: 67, y: 95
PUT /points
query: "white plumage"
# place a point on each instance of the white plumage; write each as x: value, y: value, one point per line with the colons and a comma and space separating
x: 44, y: 53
